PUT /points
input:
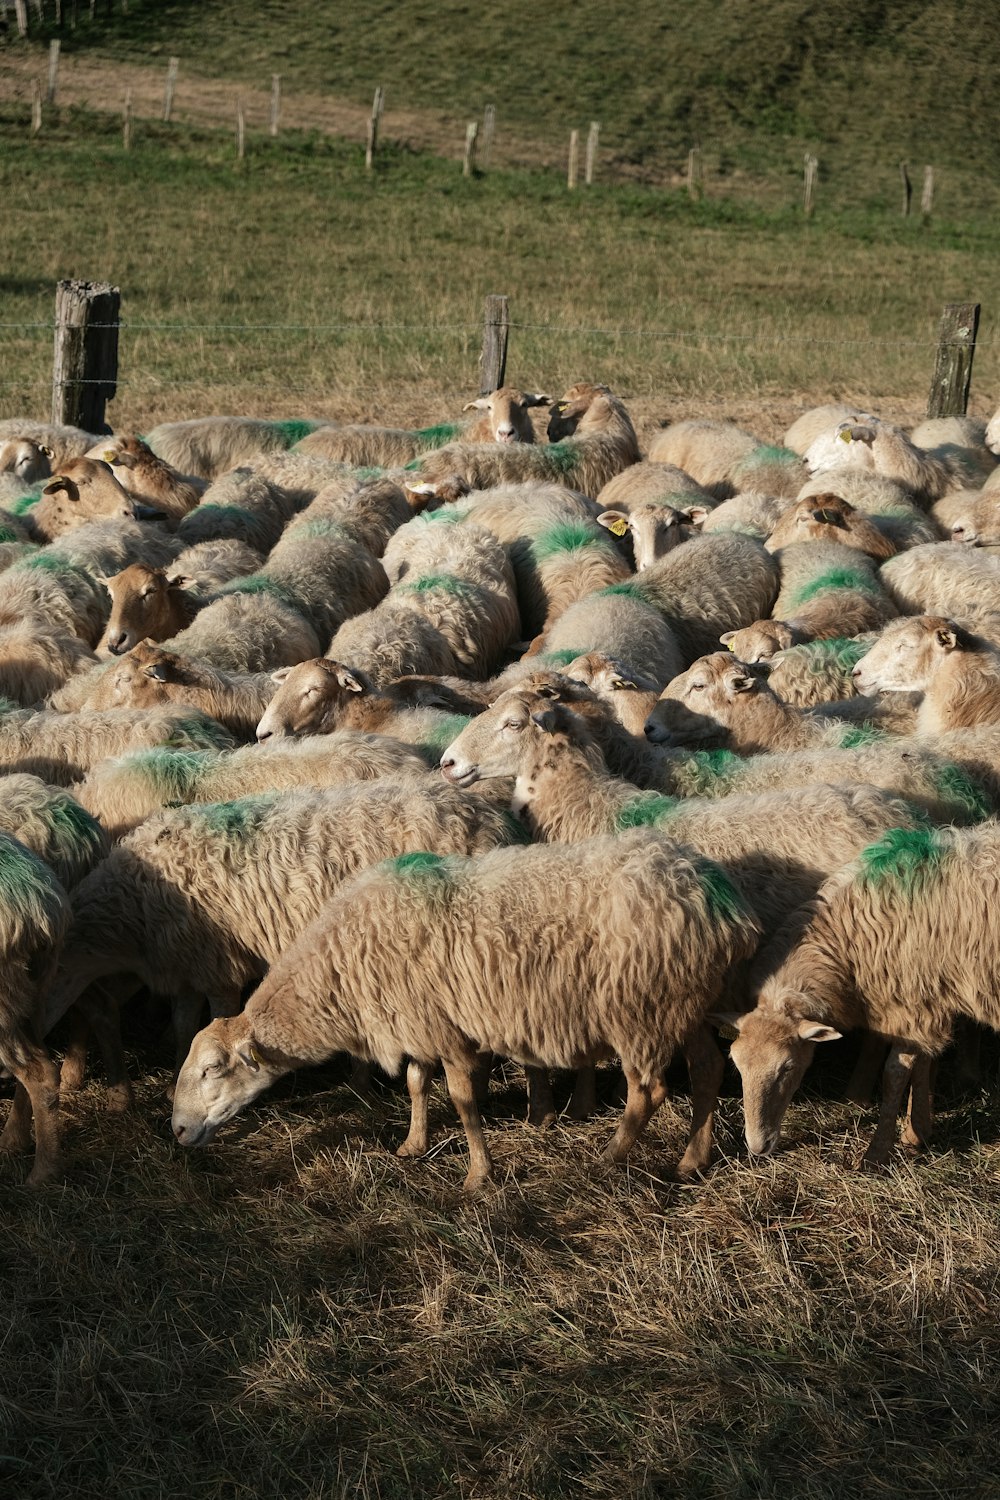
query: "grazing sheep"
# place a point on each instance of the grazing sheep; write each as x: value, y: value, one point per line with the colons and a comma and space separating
x: 52, y: 824
x: 710, y: 584
x: 64, y: 443
x: 530, y: 953
x: 200, y: 899
x: 884, y: 449
x: 33, y: 918
x: 27, y: 461
x: 818, y: 421
x: 318, y: 697
x: 147, y: 477
x: 827, y: 591
x: 242, y: 505
x: 210, y: 446
x: 941, y: 580
x: 828, y: 518
x: 123, y: 792
x: 957, y: 672
x: 902, y: 941
x: 61, y: 748
x: 83, y: 490
x: 601, y: 442
x: 150, y: 676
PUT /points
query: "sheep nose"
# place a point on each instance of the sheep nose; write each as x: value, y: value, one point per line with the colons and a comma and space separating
x: 649, y: 730
x: 447, y: 764
x: 119, y: 645
x: 856, y: 674
x: 262, y: 735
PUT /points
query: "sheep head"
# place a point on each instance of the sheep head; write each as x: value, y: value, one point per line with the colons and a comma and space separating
x: 222, y: 1072
x: 772, y: 1050
x: 310, y: 698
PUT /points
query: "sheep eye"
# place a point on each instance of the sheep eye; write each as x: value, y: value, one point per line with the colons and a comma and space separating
x: 211, y: 1069
x: 697, y: 687
x: 511, y: 724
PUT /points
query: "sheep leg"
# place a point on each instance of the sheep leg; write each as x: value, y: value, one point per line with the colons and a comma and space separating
x: 541, y: 1104
x: 15, y: 1138
x: 643, y: 1100
x: 920, y: 1114
x: 584, y: 1099
x: 896, y: 1077
x: 74, y: 1064
x: 418, y: 1085
x: 39, y: 1077
x: 861, y: 1084
x: 463, y: 1096
x: 482, y: 1072
x: 360, y: 1081
x: 101, y: 1013
x: 706, y: 1066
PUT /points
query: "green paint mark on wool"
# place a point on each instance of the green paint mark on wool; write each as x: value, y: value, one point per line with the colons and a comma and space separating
x: 73, y: 825
x: 24, y: 503
x: 562, y: 457
x: 365, y: 475
x: 629, y: 588
x: 198, y: 733
x: 46, y: 560
x: 173, y: 773
x: 861, y: 734
x: 8, y: 706
x: 769, y: 453
x: 225, y: 513
x: 436, y: 437
x: 445, y: 515
x: 317, y: 528
x: 903, y: 857
x: 27, y: 886
x: 844, y: 651
x: 707, y: 773
x: 260, y: 583
x: 569, y: 536
x: 954, y: 784
x: 442, y: 583
x: 293, y: 432
x: 557, y: 659
x: 646, y: 812
x: 427, y: 870
x: 7, y: 534
x: 412, y: 466
x: 238, y: 820
x: 836, y: 578
x: 440, y: 735
x: 723, y: 899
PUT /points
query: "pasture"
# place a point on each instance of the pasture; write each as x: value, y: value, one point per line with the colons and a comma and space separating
x: 293, y: 1310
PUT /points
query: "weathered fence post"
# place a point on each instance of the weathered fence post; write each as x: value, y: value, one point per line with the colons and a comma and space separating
x: 927, y: 196
x: 275, y: 102
x: 812, y: 168
x: 496, y: 330
x: 590, y: 163
x: 574, y: 158
x: 376, y: 115
x: 486, y: 141
x: 85, y: 364
x: 469, y: 161
x: 36, y: 106
x: 127, y: 121
x: 695, y: 174
x: 241, y: 131
x: 21, y: 17
x: 173, y: 63
x: 907, y: 188
x: 53, y: 69
x: 949, y: 395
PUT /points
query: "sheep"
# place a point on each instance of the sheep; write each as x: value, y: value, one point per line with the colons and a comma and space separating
x: 903, y: 941
x: 318, y: 697
x: 885, y: 449
x: 370, y: 512
x: 210, y: 446
x: 393, y: 641
x: 54, y: 825
x: 200, y: 899
x: 149, y: 675
x: 708, y: 585
x: 147, y: 477
x: 47, y: 587
x: 629, y: 695
x: 817, y: 422
x: 938, y: 580
x: 817, y: 671
x: 827, y: 591
x: 106, y: 546
x: 124, y: 791
x: 889, y: 504
x: 526, y: 952
x: 654, y: 485
x: 27, y: 461
x: 749, y: 512
x: 255, y: 630
x: 973, y: 519
x: 654, y: 528
x: 64, y: 443
x: 725, y: 460
x: 503, y: 418
x: 83, y: 490
x: 829, y: 518
x: 145, y: 605
x: 602, y: 442
x: 960, y: 443
x: 38, y: 658
x: 207, y: 565
x: 60, y: 748
x: 243, y: 505
x: 327, y: 575
x: 34, y: 915
x: 957, y: 672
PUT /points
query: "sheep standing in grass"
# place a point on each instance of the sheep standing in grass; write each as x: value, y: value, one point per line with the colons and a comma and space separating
x: 903, y: 941
x: 534, y: 953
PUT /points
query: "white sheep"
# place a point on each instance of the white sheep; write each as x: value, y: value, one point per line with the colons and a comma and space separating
x: 60, y: 748
x: 938, y: 579
x: 502, y: 418
x: 726, y: 460
x: 958, y: 673
x: 887, y: 450
x: 210, y: 446
x: 54, y: 825
x: 150, y: 675
x: 63, y: 442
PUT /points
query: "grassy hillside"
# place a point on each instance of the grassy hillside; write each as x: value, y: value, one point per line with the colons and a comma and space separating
x: 910, y: 78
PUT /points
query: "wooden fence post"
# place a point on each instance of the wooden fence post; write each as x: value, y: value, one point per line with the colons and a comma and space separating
x: 21, y: 16
x: 949, y: 395
x: 907, y: 188
x: 469, y: 160
x: 53, y: 69
x: 496, y: 330
x: 590, y: 164
x: 36, y: 106
x: 574, y: 158
x: 377, y: 106
x: 812, y: 168
x: 127, y: 121
x: 173, y: 64
x: 695, y: 174
x: 489, y: 130
x: 927, y: 196
x: 241, y: 131
x: 85, y: 363
x: 275, y: 102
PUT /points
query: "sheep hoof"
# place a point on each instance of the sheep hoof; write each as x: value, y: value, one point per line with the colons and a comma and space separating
x: 71, y: 1076
x: 411, y: 1149
x: 120, y: 1098
x: 42, y: 1174
x: 542, y: 1118
x: 476, y: 1181
x: 14, y: 1142
x: 875, y: 1161
x: 691, y: 1168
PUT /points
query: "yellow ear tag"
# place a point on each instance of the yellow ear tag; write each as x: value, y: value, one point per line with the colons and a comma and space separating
x: 845, y: 437
x: 256, y: 1057
x: 728, y: 1033
x: 732, y: 645
x: 618, y: 528
x: 109, y: 455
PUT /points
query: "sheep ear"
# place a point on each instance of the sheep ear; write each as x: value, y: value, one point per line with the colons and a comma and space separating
x: 547, y: 720
x: 249, y: 1056
x: 816, y: 1031
x: 697, y: 514
x: 946, y: 637
x: 859, y: 434
x: 280, y: 674
x: 546, y: 690
x: 727, y: 1023
x: 480, y: 404
x: 615, y: 521
x: 158, y: 670
x: 179, y: 581
x: 347, y: 680
x: 536, y: 398
x: 44, y: 448
x: 742, y: 683
x: 62, y: 486
x: 120, y: 460
x: 728, y: 638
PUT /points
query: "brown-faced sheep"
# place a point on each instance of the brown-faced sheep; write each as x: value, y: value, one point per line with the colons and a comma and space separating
x: 503, y: 417
x: 124, y: 791
x: 829, y: 518
x: 529, y: 953
x: 971, y: 518
x: 887, y: 502
x: 148, y: 478
x: 901, y: 941
x: 629, y: 695
x: 26, y: 461
x: 600, y: 442
x: 957, y: 672
x: 145, y: 605
x: 61, y: 748
x: 150, y: 675
x: 83, y: 490
x: 210, y: 446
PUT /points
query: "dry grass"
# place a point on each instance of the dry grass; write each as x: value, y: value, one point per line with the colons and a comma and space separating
x: 295, y: 1311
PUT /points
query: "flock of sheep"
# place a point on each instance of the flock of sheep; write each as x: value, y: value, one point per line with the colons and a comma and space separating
x: 428, y: 746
